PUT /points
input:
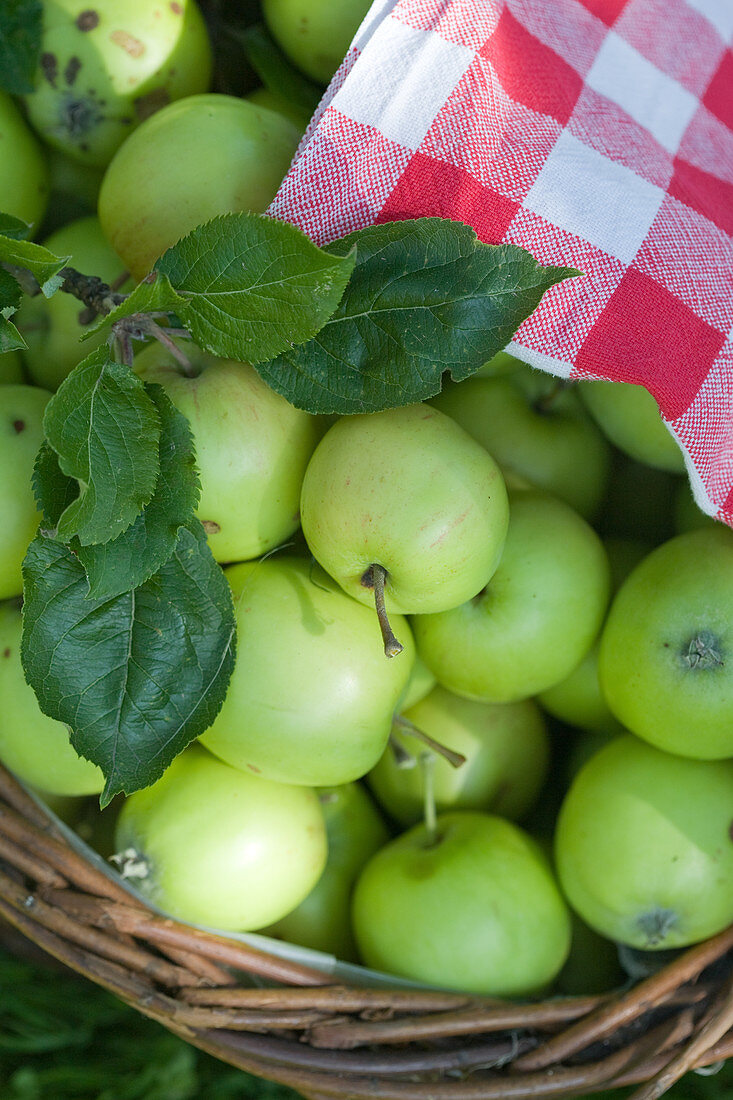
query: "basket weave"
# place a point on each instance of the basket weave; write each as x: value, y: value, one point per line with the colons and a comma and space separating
x: 333, y: 1040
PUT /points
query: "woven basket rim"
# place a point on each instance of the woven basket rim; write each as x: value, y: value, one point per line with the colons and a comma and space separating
x: 302, y: 1027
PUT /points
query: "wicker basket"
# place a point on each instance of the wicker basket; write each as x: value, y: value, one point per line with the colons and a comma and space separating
x: 294, y: 1025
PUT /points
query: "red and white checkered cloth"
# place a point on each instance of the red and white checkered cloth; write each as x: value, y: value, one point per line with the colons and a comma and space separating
x: 594, y: 133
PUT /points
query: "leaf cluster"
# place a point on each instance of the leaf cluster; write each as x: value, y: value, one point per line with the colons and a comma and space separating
x: 129, y: 634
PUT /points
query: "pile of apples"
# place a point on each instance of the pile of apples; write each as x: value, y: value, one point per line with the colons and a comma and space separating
x: 502, y: 606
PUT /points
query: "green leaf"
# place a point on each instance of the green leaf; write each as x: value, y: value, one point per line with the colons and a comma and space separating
x: 10, y: 226
x: 425, y: 297
x: 133, y: 557
x: 11, y: 295
x: 20, y: 44
x: 136, y: 677
x: 253, y: 286
x: 153, y: 295
x: 53, y: 490
x: 276, y: 72
x: 105, y: 430
x: 40, y: 261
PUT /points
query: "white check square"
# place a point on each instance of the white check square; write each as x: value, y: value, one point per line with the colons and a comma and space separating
x: 594, y: 198
x: 657, y: 102
x: 401, y: 81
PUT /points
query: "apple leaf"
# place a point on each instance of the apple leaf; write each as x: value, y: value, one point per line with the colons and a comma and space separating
x: 13, y: 227
x: 136, y: 677
x: 105, y: 429
x: 40, y: 261
x: 130, y: 559
x: 20, y: 44
x: 425, y: 297
x: 53, y: 490
x: 253, y: 286
x: 153, y: 295
x: 11, y: 295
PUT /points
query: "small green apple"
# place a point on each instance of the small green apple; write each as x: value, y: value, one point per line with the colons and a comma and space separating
x: 314, y: 34
x: 151, y: 195
x: 630, y: 418
x: 215, y: 846
x: 421, y: 683
x: 665, y: 660
x: 11, y: 367
x: 263, y: 97
x: 105, y: 68
x: 534, y: 426
x: 410, y: 491
x: 50, y: 326
x: 644, y: 848
x: 36, y: 748
x: 252, y: 448
x: 311, y: 699
x: 24, y: 186
x: 506, y: 749
x: 21, y: 435
x: 355, y: 831
x: 474, y: 908
x: 536, y: 618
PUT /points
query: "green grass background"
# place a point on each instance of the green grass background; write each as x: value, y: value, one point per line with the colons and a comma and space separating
x: 62, y: 1038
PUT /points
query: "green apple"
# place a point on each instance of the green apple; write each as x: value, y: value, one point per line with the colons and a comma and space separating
x: 151, y: 195
x: 314, y: 34
x: 644, y: 848
x: 506, y: 749
x: 311, y: 698
x: 252, y: 448
x: 474, y: 908
x: 50, y: 326
x: 216, y: 846
x: 410, y: 491
x: 687, y: 515
x: 630, y: 418
x: 421, y: 683
x: 74, y: 191
x: 534, y: 425
x: 501, y: 363
x: 355, y: 831
x: 36, y: 748
x: 11, y: 367
x: 105, y: 68
x: 263, y: 97
x: 665, y: 660
x: 537, y: 617
x: 24, y: 186
x: 21, y: 434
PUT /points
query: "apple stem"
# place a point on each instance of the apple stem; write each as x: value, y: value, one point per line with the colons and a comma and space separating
x: 162, y: 337
x: 402, y: 758
x: 455, y: 759
x: 427, y: 763
x: 544, y: 403
x: 375, y: 577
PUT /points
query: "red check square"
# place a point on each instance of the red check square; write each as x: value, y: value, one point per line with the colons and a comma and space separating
x: 719, y: 96
x: 647, y: 336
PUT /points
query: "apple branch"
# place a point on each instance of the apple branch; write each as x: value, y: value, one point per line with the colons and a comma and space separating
x: 455, y: 759
x: 375, y: 577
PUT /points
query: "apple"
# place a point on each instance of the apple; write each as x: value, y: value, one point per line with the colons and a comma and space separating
x: 688, y: 516
x: 664, y: 662
x: 24, y: 186
x: 630, y: 418
x: 263, y: 97
x: 11, y: 367
x: 421, y: 683
x: 537, y: 617
x: 215, y: 846
x: 36, y: 748
x: 74, y: 191
x: 21, y: 435
x: 474, y: 908
x: 535, y: 426
x: 355, y: 831
x: 409, y: 491
x: 105, y: 68
x: 593, y: 964
x: 506, y: 749
x: 314, y: 34
x: 311, y: 698
x: 151, y: 195
x: 50, y: 326
x: 252, y: 448
x: 644, y: 848
x: 501, y: 363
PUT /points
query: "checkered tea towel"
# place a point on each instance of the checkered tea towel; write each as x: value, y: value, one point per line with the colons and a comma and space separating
x: 594, y: 133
